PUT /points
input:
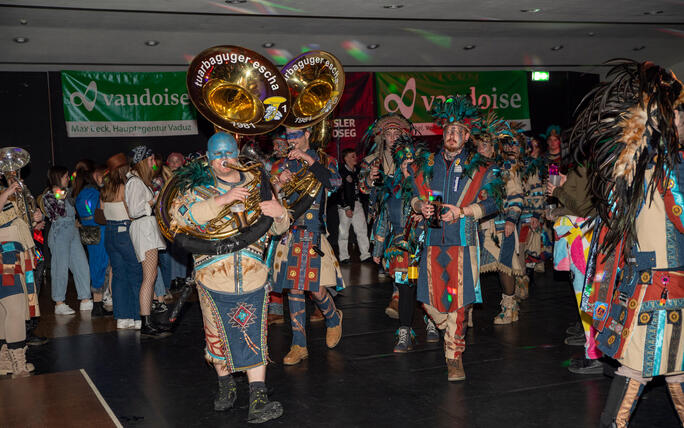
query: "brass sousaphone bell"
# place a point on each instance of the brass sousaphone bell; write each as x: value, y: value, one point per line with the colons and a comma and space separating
x: 241, y: 92
x: 316, y: 82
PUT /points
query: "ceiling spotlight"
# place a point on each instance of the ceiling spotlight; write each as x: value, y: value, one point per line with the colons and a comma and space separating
x: 268, y: 44
x: 393, y: 6
x: 639, y: 48
x: 535, y: 10
x: 468, y: 47
x: 235, y: 1
x: 151, y: 43
x: 557, y: 48
x: 653, y: 12
x: 23, y: 21
x: 591, y: 34
x: 373, y: 46
x: 21, y: 39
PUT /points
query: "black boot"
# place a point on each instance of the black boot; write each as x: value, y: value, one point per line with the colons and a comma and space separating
x: 529, y: 272
x: 622, y: 398
x: 227, y: 393
x: 99, y: 310
x: 260, y: 409
x: 148, y: 329
x: 31, y: 338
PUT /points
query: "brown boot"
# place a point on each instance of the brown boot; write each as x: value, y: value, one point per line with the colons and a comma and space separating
x: 19, y: 366
x: 509, y: 310
x: 276, y: 319
x: 455, y: 370
x: 677, y: 396
x: 392, y: 310
x: 317, y: 316
x: 296, y: 355
x: 522, y: 287
x: 334, y: 334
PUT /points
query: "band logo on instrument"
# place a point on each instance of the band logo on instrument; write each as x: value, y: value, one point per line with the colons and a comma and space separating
x: 233, y: 58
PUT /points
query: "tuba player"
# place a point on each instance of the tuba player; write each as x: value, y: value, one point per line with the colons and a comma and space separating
x: 231, y: 287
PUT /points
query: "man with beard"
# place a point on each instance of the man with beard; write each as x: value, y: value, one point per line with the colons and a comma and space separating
x: 377, y: 168
x: 452, y: 202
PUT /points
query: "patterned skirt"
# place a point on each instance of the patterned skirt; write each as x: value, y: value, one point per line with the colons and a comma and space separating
x: 18, y: 276
x: 235, y: 328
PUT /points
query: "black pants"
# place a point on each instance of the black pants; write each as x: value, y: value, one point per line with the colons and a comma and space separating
x: 407, y: 304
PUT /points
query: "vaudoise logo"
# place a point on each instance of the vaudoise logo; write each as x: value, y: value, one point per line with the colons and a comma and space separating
x: 145, y: 98
x: 484, y: 101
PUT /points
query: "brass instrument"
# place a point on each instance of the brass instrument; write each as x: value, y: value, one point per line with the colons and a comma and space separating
x: 12, y: 159
x: 316, y: 82
x: 240, y: 92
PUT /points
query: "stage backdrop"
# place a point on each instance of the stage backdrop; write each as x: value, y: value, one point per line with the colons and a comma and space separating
x: 414, y: 94
x: 355, y: 112
x: 108, y: 104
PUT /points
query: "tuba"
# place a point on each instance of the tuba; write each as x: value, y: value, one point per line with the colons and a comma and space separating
x: 316, y: 83
x: 241, y: 92
x: 12, y: 159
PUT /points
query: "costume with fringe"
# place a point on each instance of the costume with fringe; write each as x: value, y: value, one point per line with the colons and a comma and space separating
x: 635, y: 274
x: 375, y: 153
x: 17, y: 251
x: 304, y: 259
x: 449, y: 268
x: 535, y: 244
x: 393, y: 229
x: 500, y: 252
x: 232, y: 287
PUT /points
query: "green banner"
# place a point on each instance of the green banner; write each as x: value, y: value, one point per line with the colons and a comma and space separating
x: 414, y: 94
x: 108, y: 104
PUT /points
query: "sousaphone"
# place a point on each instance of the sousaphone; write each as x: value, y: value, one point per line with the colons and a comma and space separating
x: 241, y: 92
x: 316, y: 83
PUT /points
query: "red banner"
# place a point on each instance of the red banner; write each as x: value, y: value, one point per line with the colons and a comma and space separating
x: 355, y: 112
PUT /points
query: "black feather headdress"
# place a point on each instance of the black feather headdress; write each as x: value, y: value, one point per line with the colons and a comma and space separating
x: 625, y: 125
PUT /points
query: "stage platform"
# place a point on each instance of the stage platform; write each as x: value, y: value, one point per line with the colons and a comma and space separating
x: 516, y: 374
x: 60, y: 400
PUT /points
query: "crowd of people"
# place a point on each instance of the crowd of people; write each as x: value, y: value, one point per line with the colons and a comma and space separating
x: 493, y: 198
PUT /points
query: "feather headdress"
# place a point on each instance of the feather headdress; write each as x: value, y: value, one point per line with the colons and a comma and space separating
x: 372, y: 138
x: 456, y: 110
x: 625, y: 125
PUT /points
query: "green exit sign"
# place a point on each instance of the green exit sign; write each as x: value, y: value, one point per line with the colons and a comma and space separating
x: 539, y: 76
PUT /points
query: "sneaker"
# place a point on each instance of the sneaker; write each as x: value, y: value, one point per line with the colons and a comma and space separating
x: 86, y: 306
x: 261, y: 409
x: 392, y: 310
x: 107, y: 299
x: 586, y: 366
x: 578, y: 340
x: 575, y: 329
x: 405, y: 337
x: 64, y: 309
x: 431, y: 331
x: 137, y: 324
x: 124, y: 323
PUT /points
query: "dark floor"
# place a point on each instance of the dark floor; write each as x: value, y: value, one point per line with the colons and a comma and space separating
x: 516, y: 374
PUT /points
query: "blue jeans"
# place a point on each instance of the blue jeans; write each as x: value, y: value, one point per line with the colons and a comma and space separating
x: 97, y: 257
x: 173, y: 263
x: 126, y: 271
x: 67, y: 255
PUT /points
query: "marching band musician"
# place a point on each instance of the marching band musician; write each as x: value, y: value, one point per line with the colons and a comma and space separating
x: 378, y: 167
x: 18, y: 293
x: 304, y: 259
x: 231, y: 287
x: 449, y: 270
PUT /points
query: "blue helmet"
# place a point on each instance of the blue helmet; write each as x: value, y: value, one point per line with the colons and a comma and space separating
x: 222, y: 145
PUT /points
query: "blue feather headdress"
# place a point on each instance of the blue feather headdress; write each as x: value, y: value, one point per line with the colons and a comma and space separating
x: 456, y: 110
